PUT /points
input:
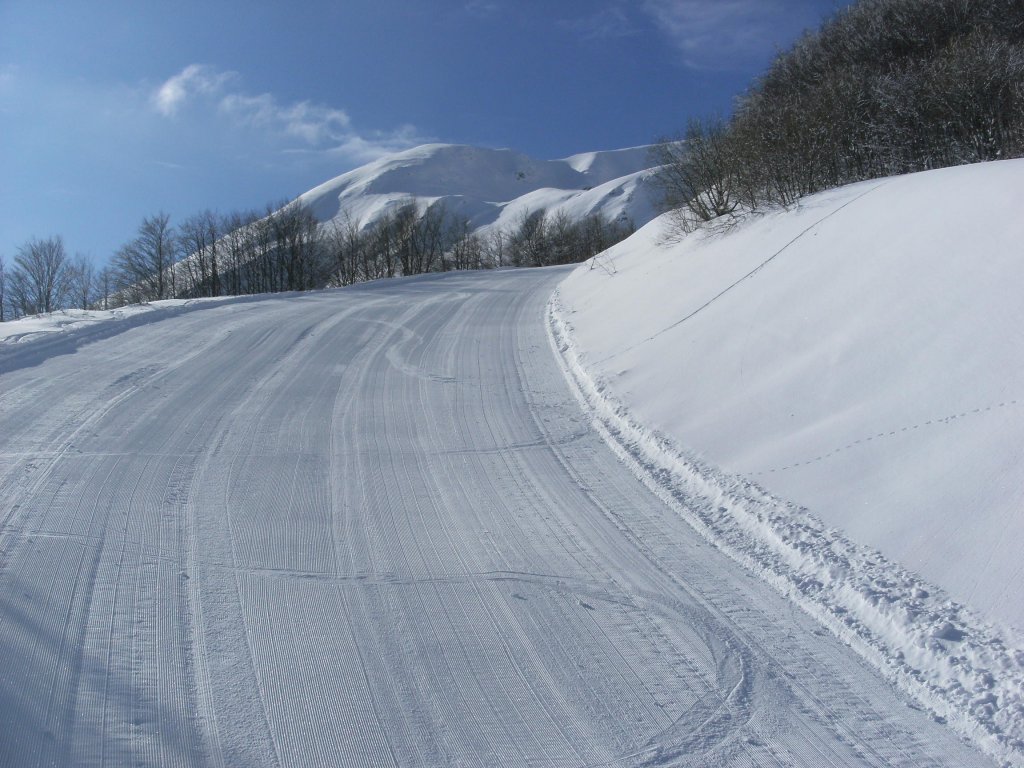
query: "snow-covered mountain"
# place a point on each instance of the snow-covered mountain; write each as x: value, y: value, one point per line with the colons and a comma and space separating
x: 491, y: 187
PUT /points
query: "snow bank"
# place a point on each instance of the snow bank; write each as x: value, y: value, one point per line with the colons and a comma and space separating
x: 30, y: 340
x: 861, y: 358
x: 34, y: 326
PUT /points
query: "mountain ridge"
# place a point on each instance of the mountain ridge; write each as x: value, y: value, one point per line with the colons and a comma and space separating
x: 490, y: 187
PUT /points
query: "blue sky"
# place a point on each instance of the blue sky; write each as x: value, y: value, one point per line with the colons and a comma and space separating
x: 112, y: 111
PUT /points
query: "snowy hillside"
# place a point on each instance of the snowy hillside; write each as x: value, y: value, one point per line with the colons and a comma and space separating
x: 861, y: 357
x: 490, y: 186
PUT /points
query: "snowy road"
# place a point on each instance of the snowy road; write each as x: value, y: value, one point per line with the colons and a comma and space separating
x: 372, y: 527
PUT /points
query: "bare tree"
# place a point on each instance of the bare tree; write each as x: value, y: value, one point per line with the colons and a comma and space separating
x: 344, y: 244
x: 403, y: 236
x: 563, y: 243
x: 238, y: 251
x: 698, y: 175
x: 3, y: 288
x: 82, y: 282
x: 264, y: 277
x: 145, y: 265
x: 297, y: 247
x: 198, y: 245
x: 380, y: 259
x: 466, y: 248
x: 40, y: 276
x: 106, y: 285
x: 159, y: 245
x: 527, y: 244
x: 494, y: 247
x: 430, y: 238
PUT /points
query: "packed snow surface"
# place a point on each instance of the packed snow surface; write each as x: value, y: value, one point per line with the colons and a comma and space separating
x: 373, y: 526
x: 861, y: 357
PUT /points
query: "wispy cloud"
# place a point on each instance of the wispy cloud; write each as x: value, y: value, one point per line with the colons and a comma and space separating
x: 312, y: 124
x: 482, y: 8
x: 8, y: 82
x: 302, y: 127
x: 363, y: 149
x: 606, y: 23
x: 723, y: 34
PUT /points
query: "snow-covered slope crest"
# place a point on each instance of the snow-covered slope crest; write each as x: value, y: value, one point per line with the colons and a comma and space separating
x: 832, y: 394
x: 481, y: 183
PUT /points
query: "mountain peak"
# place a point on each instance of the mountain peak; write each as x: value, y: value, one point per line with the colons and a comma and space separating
x: 482, y: 184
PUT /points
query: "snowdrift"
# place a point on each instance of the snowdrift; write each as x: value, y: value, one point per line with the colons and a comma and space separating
x: 835, y: 395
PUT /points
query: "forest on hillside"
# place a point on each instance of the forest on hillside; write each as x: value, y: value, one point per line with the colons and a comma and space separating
x: 285, y: 248
x: 884, y: 87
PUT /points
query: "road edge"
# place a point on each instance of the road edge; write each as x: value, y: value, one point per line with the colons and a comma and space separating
x: 966, y: 672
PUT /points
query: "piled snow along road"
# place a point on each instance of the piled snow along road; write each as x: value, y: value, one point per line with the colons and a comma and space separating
x: 831, y: 395
x: 31, y: 340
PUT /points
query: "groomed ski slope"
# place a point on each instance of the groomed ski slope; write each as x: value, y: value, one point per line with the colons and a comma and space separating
x: 847, y: 380
x: 373, y: 526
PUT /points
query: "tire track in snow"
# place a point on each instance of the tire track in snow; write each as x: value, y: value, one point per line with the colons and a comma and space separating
x: 387, y: 535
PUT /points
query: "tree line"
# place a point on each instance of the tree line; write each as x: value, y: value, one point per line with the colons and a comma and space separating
x: 405, y: 242
x: 885, y: 87
x: 284, y: 248
x: 43, y: 278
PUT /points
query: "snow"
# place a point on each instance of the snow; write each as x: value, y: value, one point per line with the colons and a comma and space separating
x: 490, y: 185
x: 847, y: 378
x: 33, y: 339
x: 605, y: 166
x: 35, y: 327
x: 373, y: 522
x: 372, y: 526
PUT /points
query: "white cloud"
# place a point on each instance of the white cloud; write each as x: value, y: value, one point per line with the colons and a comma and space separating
x: 723, y: 34
x: 302, y: 127
x: 195, y: 79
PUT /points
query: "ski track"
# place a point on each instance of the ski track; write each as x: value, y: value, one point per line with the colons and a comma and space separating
x: 373, y: 527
